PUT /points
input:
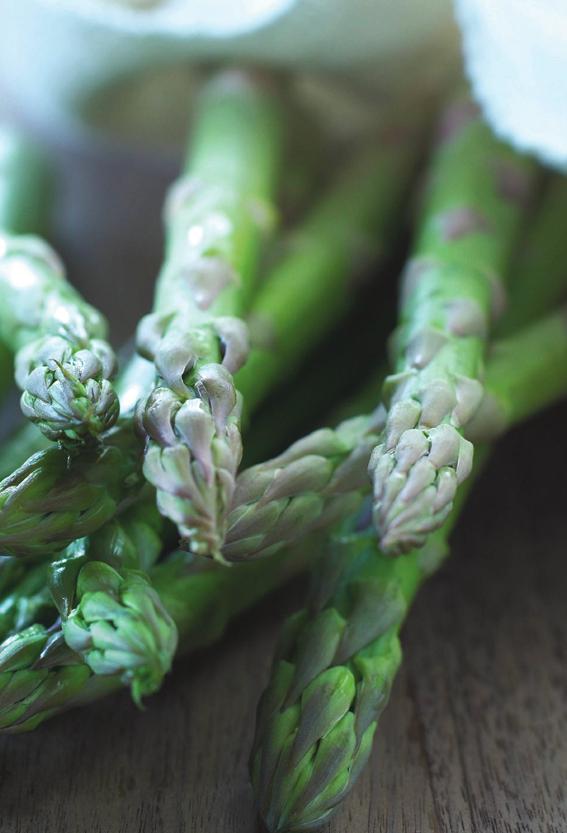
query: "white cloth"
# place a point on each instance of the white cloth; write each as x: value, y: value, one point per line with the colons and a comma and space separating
x: 54, y: 54
x: 516, y: 58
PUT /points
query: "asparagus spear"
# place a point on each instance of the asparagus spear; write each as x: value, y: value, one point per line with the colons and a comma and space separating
x: 539, y: 268
x: 217, y: 216
x: 477, y: 193
x: 63, y: 362
x: 331, y: 680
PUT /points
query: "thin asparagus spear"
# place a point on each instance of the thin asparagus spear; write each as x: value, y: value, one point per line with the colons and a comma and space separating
x: 540, y: 268
x: 354, y: 224
x: 27, y: 602
x: 25, y: 185
x: 24, y: 202
x: 217, y: 216
x: 475, y: 203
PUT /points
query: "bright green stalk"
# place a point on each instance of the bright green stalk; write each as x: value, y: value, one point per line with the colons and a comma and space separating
x: 332, y: 676
x: 25, y: 185
x: 540, y: 269
x: 472, y: 214
x: 312, y: 286
x: 24, y: 198
x: 217, y: 216
x: 525, y: 373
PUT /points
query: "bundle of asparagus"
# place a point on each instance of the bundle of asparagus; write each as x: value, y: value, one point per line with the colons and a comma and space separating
x: 119, y: 520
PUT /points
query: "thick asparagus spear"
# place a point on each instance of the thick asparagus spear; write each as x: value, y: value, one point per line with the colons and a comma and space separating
x: 477, y: 193
x: 217, y: 216
x: 331, y: 679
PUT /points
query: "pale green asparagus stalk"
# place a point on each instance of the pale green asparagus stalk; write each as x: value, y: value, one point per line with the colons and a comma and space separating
x: 217, y: 216
x: 540, y: 266
x: 24, y: 199
x: 477, y: 194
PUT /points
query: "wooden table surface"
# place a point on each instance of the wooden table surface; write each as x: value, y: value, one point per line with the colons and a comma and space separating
x: 474, y: 739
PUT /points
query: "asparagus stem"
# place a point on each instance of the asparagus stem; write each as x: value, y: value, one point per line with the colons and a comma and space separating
x: 540, y: 269
x: 473, y: 209
x: 25, y: 186
x: 54, y: 498
x: 331, y: 678
x: 312, y: 286
x: 217, y: 216
x: 525, y: 373
x: 24, y: 200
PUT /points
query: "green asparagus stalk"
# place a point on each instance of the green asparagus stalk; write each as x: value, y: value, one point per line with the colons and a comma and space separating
x: 312, y: 287
x: 54, y: 498
x: 217, y: 216
x: 317, y: 481
x: 25, y: 185
x: 24, y: 199
x: 473, y: 211
x: 331, y: 679
x: 540, y: 268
